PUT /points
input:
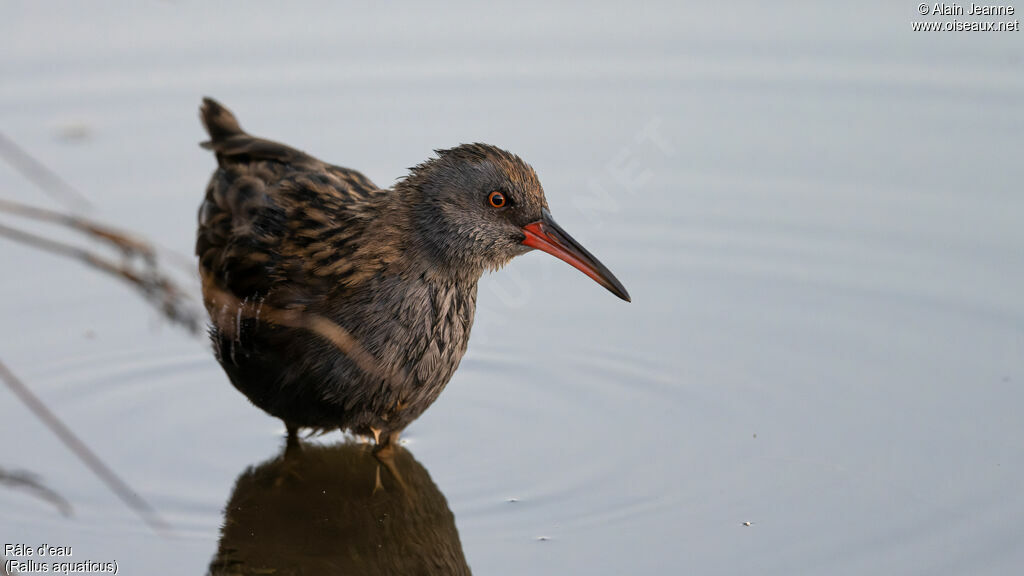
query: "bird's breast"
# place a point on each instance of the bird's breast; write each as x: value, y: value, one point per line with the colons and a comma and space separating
x: 416, y: 330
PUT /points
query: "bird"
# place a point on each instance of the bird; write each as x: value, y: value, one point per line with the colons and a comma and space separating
x: 336, y: 304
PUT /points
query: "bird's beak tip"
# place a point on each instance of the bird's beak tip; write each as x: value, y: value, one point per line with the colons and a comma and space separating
x: 545, y: 234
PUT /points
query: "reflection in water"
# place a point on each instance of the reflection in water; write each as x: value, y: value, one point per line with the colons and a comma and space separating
x: 338, y: 510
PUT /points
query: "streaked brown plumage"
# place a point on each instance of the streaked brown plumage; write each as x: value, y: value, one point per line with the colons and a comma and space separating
x: 337, y: 304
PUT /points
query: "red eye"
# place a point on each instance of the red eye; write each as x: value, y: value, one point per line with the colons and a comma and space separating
x: 497, y: 199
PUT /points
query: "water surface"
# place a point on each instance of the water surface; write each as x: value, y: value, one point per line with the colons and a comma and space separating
x: 816, y: 211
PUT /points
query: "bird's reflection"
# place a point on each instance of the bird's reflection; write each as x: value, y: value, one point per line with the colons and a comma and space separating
x: 338, y: 509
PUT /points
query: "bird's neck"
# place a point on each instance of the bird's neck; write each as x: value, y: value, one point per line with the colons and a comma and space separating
x: 424, y: 252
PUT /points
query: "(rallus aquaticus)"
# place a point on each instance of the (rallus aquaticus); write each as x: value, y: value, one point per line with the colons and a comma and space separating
x: 337, y: 304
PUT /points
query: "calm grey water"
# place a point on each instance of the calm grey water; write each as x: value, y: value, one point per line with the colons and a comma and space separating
x: 818, y: 213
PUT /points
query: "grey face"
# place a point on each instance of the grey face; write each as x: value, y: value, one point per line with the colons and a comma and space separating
x: 476, y: 199
x: 479, y: 206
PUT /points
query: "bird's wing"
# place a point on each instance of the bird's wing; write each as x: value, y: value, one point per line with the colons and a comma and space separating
x: 278, y: 224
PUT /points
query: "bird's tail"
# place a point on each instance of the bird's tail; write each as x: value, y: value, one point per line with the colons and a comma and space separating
x: 232, y: 145
x: 220, y: 123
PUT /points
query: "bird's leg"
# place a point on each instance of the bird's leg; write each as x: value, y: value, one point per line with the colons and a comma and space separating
x: 385, y: 454
x: 384, y: 451
x: 292, y: 442
x: 384, y: 441
x: 377, y: 484
x: 292, y: 458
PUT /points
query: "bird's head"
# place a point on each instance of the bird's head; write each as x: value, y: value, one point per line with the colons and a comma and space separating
x: 479, y: 206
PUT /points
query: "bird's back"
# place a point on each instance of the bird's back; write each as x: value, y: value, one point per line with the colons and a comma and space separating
x: 273, y: 214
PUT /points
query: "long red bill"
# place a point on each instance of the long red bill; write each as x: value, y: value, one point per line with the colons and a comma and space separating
x: 548, y: 236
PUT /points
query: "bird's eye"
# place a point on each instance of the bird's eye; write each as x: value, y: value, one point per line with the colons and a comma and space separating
x: 497, y: 199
